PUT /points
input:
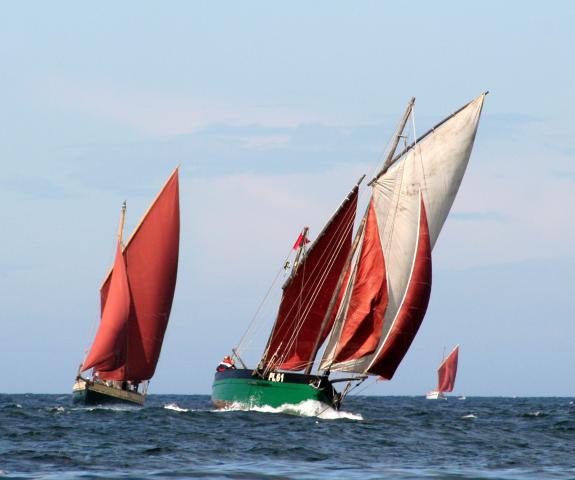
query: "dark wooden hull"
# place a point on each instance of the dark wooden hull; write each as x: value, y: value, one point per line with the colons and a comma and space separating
x: 86, y: 393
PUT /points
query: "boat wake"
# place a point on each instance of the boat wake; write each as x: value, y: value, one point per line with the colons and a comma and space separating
x: 59, y: 409
x: 307, y: 408
x: 175, y: 407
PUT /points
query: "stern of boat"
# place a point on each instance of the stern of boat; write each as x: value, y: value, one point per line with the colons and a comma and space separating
x: 435, y: 395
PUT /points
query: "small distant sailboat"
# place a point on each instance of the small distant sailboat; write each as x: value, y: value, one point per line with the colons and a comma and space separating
x: 136, y: 299
x: 446, y: 374
x: 363, y: 296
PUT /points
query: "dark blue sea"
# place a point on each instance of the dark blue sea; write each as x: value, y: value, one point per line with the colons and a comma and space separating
x: 173, y: 437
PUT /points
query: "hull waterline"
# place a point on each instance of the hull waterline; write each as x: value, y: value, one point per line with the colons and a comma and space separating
x: 435, y: 395
x: 242, y: 387
x: 89, y: 393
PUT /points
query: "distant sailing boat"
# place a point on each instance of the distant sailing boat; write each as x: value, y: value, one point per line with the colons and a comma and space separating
x: 136, y: 299
x: 445, y: 376
x: 365, y: 294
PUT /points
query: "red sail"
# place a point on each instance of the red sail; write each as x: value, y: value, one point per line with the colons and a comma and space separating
x: 363, y: 324
x: 412, y: 309
x: 108, y: 351
x: 152, y: 263
x: 307, y: 294
x: 447, y: 371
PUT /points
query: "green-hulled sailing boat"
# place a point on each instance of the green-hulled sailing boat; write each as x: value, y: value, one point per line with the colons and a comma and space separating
x: 136, y: 299
x: 361, y: 297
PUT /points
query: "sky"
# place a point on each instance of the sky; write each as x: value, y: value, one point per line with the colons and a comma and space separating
x: 273, y: 111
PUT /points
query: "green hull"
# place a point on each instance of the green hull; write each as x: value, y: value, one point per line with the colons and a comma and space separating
x: 241, y: 387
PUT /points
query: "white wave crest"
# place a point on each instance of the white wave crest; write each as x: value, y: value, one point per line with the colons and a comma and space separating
x: 113, y: 408
x: 307, y: 408
x: 470, y: 416
x: 175, y: 407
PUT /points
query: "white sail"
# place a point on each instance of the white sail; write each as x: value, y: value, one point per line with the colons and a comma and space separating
x: 432, y: 170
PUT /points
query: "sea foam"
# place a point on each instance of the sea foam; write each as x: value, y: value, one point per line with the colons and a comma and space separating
x: 175, y: 407
x: 307, y: 408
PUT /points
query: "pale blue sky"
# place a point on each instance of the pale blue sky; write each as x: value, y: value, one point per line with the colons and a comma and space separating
x: 273, y: 111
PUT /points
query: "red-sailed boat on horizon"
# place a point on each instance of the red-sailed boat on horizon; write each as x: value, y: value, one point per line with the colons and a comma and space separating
x: 446, y: 374
x: 136, y: 298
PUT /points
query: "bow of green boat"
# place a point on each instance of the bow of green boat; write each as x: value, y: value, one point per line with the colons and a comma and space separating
x: 246, y: 388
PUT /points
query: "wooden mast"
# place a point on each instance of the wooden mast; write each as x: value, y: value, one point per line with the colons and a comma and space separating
x: 121, y: 228
x: 390, y: 156
x: 301, y: 249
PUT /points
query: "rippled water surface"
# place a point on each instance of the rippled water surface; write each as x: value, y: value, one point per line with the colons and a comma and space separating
x: 44, y: 436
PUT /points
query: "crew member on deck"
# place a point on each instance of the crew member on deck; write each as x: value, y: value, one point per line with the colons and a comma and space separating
x: 226, y: 364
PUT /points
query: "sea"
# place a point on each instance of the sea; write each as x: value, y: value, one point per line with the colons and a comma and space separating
x: 182, y: 436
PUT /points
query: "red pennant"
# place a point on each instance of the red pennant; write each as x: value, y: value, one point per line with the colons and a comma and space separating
x: 300, y: 241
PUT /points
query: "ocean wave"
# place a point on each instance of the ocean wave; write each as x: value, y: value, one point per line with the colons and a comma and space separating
x: 175, y: 407
x: 307, y: 408
x: 110, y: 408
x: 537, y: 413
x: 469, y: 416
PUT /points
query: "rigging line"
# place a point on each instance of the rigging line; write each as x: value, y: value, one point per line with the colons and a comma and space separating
x: 331, y: 251
x: 365, y: 387
x: 347, y: 393
x: 346, y: 288
x: 375, y: 356
x: 390, y: 235
x: 311, y: 301
x: 390, y: 213
x: 260, y: 306
x: 314, y: 294
x: 387, y: 246
x: 341, y: 315
x: 322, y: 255
x: 300, y: 296
x: 343, y: 308
x: 418, y: 149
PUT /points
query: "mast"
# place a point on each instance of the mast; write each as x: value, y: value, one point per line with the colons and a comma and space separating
x: 439, y: 368
x: 122, y: 218
x: 396, y: 138
x: 300, y: 250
